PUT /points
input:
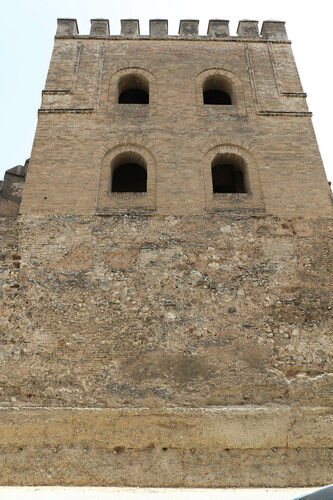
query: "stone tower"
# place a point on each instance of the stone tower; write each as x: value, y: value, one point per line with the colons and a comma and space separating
x: 166, y: 286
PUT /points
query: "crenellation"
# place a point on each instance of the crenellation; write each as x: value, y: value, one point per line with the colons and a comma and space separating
x: 248, y: 29
x: 188, y: 28
x: 67, y: 27
x: 11, y: 189
x: 274, y: 30
x: 158, y: 28
x: 218, y: 28
x: 99, y: 27
x: 130, y: 27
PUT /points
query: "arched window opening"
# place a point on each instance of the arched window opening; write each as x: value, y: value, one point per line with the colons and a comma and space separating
x: 133, y: 89
x: 129, y: 174
x: 217, y: 90
x: 228, y: 174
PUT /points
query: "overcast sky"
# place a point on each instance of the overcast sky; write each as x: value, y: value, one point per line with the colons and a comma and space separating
x: 27, y: 29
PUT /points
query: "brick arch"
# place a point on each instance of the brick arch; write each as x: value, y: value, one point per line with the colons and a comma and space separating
x: 252, y: 198
x: 106, y: 200
x: 124, y: 140
x: 233, y: 82
x: 112, y: 102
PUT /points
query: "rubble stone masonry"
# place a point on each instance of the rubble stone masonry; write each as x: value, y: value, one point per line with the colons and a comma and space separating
x: 173, y: 337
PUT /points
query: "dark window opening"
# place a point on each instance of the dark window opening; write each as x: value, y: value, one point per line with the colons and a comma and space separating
x: 134, y: 96
x: 129, y: 178
x: 228, y: 179
x: 218, y: 90
x: 216, y: 97
x: 133, y: 89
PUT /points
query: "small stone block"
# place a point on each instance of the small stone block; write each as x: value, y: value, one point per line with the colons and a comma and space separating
x: 274, y: 30
x: 248, y: 29
x: 99, y: 27
x: 67, y: 27
x: 158, y: 27
x: 19, y: 171
x: 130, y: 27
x: 189, y: 28
x: 218, y: 28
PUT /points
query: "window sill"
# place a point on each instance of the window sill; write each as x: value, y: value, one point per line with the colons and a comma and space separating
x: 127, y: 195
x: 219, y: 106
x: 231, y: 195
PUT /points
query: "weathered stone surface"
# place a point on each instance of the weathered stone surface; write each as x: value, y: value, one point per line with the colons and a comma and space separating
x: 218, y: 28
x: 248, y: 29
x: 158, y: 27
x: 189, y: 28
x: 159, y: 311
x: 11, y: 189
x: 274, y: 30
x: 193, y: 312
x: 99, y: 27
x: 67, y: 27
x: 130, y: 27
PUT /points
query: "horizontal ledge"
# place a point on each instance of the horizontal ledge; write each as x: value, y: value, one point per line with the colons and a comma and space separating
x: 233, y: 195
x: 238, y: 427
x: 284, y: 113
x: 65, y: 110
x: 57, y: 91
x: 294, y: 94
x: 173, y: 37
x: 245, y: 213
x: 228, y: 107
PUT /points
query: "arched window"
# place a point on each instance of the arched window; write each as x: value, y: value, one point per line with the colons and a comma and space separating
x: 217, y: 90
x: 129, y: 174
x: 133, y: 89
x: 229, y: 174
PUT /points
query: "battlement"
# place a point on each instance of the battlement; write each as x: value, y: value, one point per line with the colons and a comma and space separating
x: 188, y: 28
x: 11, y: 189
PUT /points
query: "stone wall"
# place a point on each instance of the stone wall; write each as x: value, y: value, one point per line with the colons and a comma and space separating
x: 199, y: 344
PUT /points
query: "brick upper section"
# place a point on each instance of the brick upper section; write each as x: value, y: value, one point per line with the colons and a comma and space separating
x: 82, y: 126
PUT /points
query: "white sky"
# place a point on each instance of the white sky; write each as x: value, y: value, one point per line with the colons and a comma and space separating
x: 27, y: 29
